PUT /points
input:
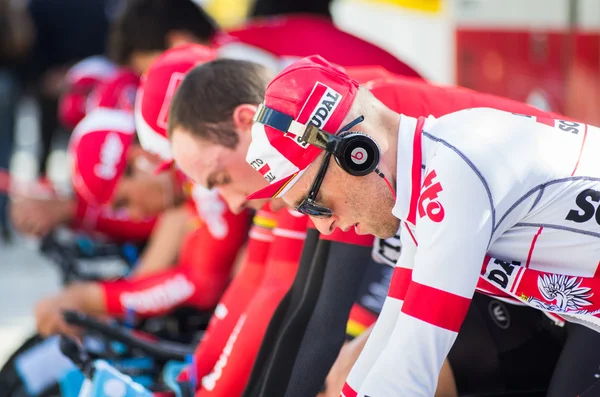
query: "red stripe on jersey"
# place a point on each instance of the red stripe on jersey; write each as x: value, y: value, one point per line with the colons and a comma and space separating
x: 580, y: 150
x: 400, y: 282
x: 347, y: 391
x: 532, y: 247
x: 416, y: 171
x: 311, y: 103
x: 597, y: 274
x: 436, y: 307
x: 486, y: 260
x: 517, y: 280
x: 411, y: 234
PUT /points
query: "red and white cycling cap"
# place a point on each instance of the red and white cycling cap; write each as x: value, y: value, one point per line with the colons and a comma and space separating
x: 80, y: 80
x: 98, y: 149
x: 117, y: 92
x: 311, y: 91
x: 156, y: 91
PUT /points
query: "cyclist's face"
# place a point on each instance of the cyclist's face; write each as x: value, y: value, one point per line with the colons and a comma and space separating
x: 214, y: 166
x: 363, y: 203
x: 142, y: 193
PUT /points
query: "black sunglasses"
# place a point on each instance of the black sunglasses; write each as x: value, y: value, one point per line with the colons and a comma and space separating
x: 309, y: 206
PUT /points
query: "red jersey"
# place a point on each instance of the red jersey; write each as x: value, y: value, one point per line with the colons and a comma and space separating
x: 285, y: 39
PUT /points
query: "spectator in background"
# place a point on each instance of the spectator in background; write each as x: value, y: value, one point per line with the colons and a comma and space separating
x: 66, y: 32
x: 16, y: 37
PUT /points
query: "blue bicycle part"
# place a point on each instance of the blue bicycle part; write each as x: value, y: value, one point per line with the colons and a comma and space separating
x: 40, y: 366
x: 131, y: 253
x: 108, y: 382
x: 71, y: 383
x: 170, y: 373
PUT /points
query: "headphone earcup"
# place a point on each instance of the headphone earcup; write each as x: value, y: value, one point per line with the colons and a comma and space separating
x: 358, y: 154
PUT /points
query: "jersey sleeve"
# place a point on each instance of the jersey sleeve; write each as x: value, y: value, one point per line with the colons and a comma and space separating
x: 453, y: 220
x: 115, y: 225
x: 201, y: 275
x: 384, y: 326
x: 156, y: 294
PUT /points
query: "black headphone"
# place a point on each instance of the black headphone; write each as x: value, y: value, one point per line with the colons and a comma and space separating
x: 356, y: 153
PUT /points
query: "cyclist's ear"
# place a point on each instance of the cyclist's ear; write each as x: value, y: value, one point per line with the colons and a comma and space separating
x: 243, y: 116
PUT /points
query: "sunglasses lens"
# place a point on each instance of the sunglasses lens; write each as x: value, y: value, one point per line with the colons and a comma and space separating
x: 314, y: 210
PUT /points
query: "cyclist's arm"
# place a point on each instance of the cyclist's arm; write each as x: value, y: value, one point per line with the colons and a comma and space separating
x: 116, y: 225
x: 38, y: 216
x: 198, y: 280
x: 343, y: 364
x: 148, y: 296
x: 165, y: 241
x: 384, y: 326
x: 348, y: 356
x: 201, y: 275
x: 435, y: 303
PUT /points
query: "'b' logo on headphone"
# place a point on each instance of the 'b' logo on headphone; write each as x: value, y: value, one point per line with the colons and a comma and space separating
x: 359, y: 155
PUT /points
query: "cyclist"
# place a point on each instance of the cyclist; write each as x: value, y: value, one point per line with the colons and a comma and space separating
x: 38, y: 216
x: 223, y: 87
x: 434, y: 174
x: 225, y: 355
x: 202, y: 94
x: 208, y: 245
x: 101, y: 149
x: 153, y: 98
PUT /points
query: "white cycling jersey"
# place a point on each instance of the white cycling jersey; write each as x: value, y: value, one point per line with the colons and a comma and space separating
x: 489, y: 200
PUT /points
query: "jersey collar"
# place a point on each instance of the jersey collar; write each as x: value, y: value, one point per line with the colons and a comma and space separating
x: 409, y: 168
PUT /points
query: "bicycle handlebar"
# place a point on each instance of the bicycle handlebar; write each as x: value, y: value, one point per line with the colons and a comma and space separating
x: 163, y: 350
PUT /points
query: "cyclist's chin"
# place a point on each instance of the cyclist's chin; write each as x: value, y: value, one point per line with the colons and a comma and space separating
x: 384, y: 229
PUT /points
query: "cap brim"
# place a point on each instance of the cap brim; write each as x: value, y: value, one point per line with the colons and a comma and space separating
x: 273, y: 190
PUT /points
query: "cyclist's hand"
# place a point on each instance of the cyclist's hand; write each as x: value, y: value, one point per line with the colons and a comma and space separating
x: 39, y: 216
x: 339, y: 372
x: 49, y: 317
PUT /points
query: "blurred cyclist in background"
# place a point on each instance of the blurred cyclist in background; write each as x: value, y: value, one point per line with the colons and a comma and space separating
x: 106, y: 171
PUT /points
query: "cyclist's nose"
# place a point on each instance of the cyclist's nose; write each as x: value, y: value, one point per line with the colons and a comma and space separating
x: 324, y: 225
x: 235, y: 201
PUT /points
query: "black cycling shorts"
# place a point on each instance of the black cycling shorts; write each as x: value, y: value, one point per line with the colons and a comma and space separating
x: 505, y: 348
